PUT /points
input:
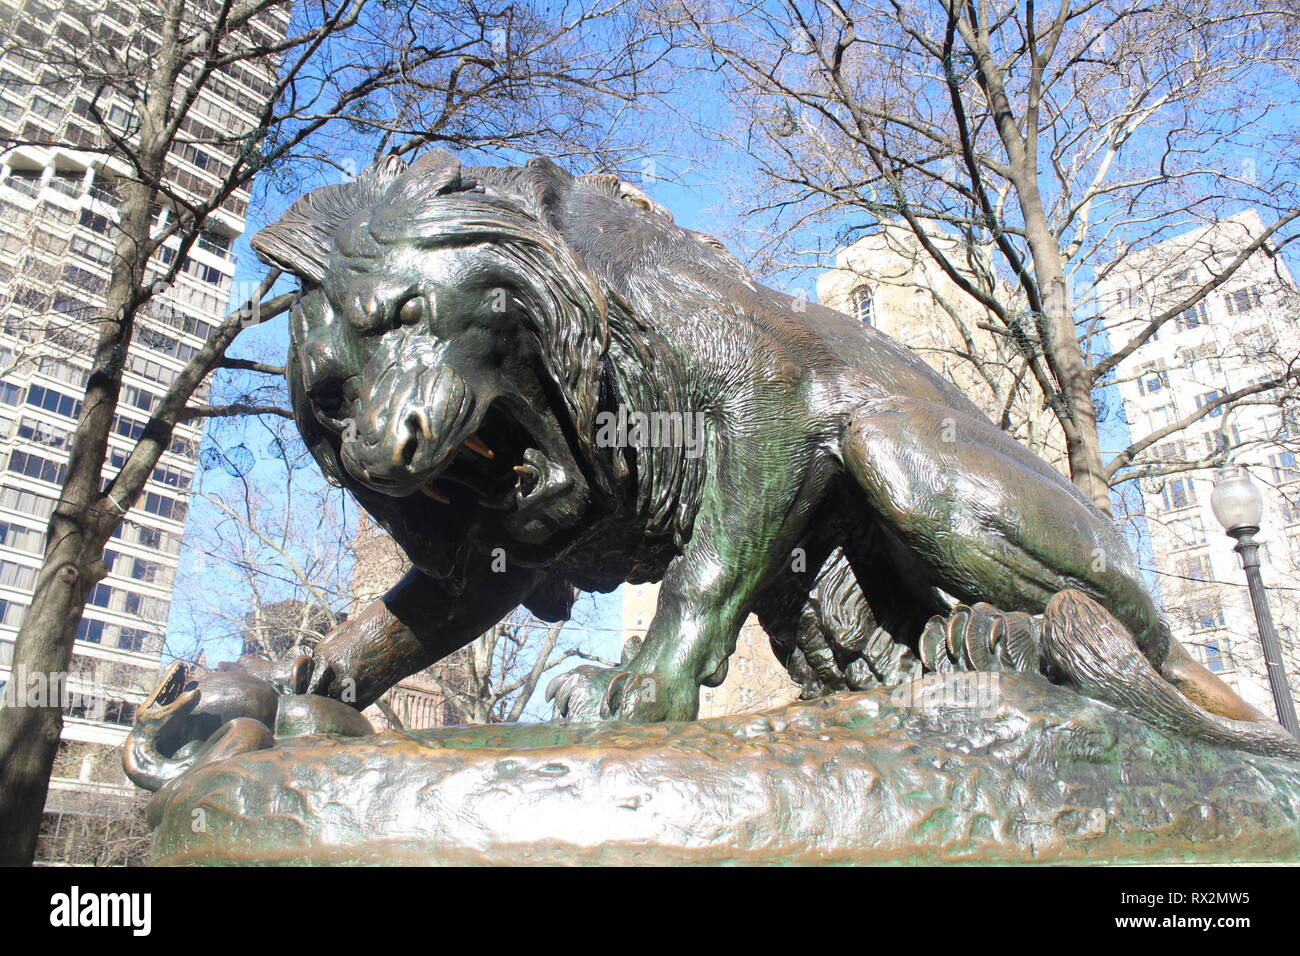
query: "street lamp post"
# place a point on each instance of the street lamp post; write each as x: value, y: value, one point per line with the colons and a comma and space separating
x: 1238, y: 505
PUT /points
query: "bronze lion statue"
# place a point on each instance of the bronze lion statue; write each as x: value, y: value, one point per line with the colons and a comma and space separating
x: 537, y: 382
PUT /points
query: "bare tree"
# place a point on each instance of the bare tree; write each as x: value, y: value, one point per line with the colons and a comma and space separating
x: 494, y: 679
x: 1045, y: 145
x: 100, y: 820
x: 269, y: 572
x: 135, y: 73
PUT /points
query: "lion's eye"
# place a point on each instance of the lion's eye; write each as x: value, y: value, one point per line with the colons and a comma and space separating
x: 412, y: 311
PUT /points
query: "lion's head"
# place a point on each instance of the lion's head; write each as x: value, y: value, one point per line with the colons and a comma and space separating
x: 447, y: 342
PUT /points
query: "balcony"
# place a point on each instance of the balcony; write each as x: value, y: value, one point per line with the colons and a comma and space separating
x: 28, y: 185
x: 68, y: 185
x: 105, y: 193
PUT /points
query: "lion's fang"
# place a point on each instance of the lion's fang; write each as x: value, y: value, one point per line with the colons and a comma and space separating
x: 475, y: 444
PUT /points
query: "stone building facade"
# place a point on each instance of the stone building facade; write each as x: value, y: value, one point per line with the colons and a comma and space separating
x: 1245, y: 331
x: 420, y: 701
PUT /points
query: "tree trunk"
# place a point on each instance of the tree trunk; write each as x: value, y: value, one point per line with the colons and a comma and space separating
x: 1078, y: 416
x: 1060, y: 340
x: 80, y: 526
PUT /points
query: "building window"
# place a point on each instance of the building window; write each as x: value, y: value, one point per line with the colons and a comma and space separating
x: 1243, y: 300
x: 26, y: 181
x: 90, y: 630
x: 119, y: 712
x: 1207, y: 398
x: 1193, y: 317
x: 101, y: 595
x: 1216, y: 656
x: 1178, y: 493
x: 1284, y: 467
x: 17, y: 576
x: 1153, y: 378
x: 34, y: 466
x: 1198, y: 570
x: 1206, y: 614
x: 1217, y: 441
x: 864, y: 305
x: 1291, y: 514
x: 12, y: 614
x: 1188, y: 531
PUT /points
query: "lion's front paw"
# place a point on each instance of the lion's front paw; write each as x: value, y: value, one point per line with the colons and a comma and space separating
x: 650, y: 697
x: 334, y: 669
x: 590, y: 693
x: 578, y: 695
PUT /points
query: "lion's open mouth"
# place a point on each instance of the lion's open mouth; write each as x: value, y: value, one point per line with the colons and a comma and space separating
x: 499, y: 467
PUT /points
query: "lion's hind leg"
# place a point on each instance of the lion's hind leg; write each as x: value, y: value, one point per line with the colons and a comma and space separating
x: 984, y: 518
x: 990, y: 522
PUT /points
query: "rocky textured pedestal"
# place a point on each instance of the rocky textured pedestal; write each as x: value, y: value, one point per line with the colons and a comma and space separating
x: 960, y: 768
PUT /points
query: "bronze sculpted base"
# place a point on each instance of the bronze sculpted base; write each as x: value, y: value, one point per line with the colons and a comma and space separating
x: 953, y: 768
x: 1045, y: 776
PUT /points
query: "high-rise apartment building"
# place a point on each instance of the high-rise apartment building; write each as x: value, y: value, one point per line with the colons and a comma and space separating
x: 58, y: 208
x: 1244, y: 332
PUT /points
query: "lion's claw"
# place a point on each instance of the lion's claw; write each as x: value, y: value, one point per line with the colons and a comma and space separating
x: 578, y: 695
x: 590, y: 693
x: 979, y: 637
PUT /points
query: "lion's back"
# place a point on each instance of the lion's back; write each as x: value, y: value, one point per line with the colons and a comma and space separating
x: 643, y: 256
x: 883, y: 361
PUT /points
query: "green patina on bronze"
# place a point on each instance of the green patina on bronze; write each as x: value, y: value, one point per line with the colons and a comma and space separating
x: 481, y: 356
x: 539, y: 383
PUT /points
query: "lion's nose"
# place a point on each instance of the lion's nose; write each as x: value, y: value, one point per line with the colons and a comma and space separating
x: 408, y: 426
x: 387, y: 455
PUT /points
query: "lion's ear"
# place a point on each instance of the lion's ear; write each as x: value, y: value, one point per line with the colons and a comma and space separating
x: 436, y: 159
x: 612, y: 185
x: 435, y: 173
x: 629, y: 193
x: 415, y: 194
